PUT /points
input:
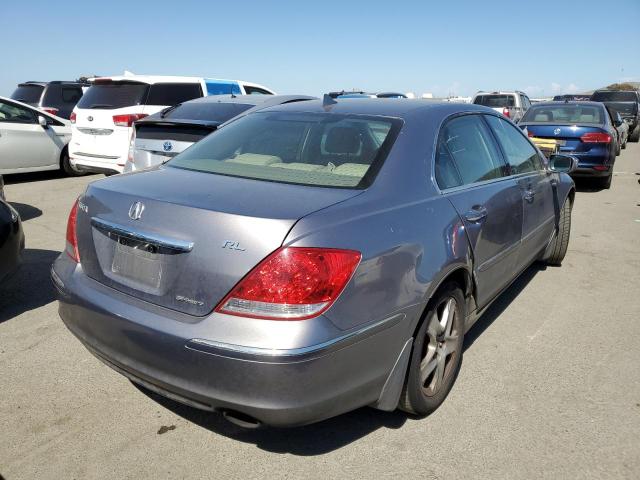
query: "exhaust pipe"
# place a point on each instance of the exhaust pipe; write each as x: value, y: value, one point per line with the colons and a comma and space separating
x: 241, y: 419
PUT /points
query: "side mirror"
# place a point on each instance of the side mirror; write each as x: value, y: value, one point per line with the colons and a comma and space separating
x: 563, y: 163
x: 42, y: 121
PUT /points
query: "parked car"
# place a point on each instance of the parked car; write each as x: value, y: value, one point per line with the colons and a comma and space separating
x: 627, y: 103
x: 622, y: 129
x: 326, y: 287
x: 57, y: 98
x: 582, y: 129
x: 104, y: 116
x: 571, y: 98
x: 32, y: 140
x: 161, y: 136
x: 512, y: 105
x: 11, y: 237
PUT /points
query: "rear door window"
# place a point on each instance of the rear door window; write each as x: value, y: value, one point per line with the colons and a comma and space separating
x: 469, y: 143
x: 71, y: 94
x: 173, y: 93
x: 28, y: 93
x: 255, y: 91
x: 222, y: 87
x: 110, y: 95
x: 521, y: 155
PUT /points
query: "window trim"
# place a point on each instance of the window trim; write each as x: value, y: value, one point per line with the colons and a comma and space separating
x: 467, y: 186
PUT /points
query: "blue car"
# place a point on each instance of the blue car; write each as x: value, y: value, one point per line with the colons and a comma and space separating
x: 582, y: 129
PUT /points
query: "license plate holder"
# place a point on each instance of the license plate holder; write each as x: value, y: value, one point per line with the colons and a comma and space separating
x: 137, y: 261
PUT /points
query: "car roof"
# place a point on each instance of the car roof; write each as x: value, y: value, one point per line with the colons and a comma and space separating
x: 53, y: 82
x: 390, y: 107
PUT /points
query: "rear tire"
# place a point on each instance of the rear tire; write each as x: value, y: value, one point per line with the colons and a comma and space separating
x: 67, y: 168
x: 618, y: 147
x: 558, y: 247
x: 437, y: 352
x: 634, y: 136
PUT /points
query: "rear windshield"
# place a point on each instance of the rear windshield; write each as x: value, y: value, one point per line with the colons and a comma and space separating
x: 210, y: 111
x: 319, y: 149
x: 114, y: 95
x: 564, y: 114
x: 28, y: 93
x: 614, y: 97
x: 495, y: 100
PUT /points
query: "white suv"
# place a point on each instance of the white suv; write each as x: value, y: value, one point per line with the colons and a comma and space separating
x: 103, y: 118
x: 512, y: 104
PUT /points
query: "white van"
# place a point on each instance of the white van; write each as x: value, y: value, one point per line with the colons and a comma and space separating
x: 103, y: 117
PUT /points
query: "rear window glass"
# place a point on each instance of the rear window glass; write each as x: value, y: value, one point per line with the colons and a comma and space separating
x: 173, y: 93
x: 495, y: 101
x: 222, y: 87
x: 614, y: 97
x: 564, y: 114
x: 303, y: 148
x: 28, y: 93
x: 208, y: 111
x: 114, y: 95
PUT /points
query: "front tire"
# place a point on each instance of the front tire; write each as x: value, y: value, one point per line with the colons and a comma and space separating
x: 557, y: 249
x: 437, y: 353
x: 67, y: 168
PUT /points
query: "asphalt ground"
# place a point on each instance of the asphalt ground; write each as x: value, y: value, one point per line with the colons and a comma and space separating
x: 549, y: 386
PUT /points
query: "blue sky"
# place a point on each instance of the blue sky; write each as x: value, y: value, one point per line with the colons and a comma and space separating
x: 447, y: 47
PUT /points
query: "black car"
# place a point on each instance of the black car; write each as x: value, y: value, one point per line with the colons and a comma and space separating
x: 57, y: 97
x: 627, y: 103
x: 11, y: 237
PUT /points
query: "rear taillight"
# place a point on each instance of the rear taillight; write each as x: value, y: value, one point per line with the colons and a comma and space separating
x: 292, y: 283
x: 596, y: 137
x: 72, y: 118
x: 505, y: 112
x: 127, y: 119
x: 530, y: 134
x: 51, y: 110
x: 72, y: 238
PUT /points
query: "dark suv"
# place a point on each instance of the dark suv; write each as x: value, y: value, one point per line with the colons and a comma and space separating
x: 627, y: 103
x: 57, y: 98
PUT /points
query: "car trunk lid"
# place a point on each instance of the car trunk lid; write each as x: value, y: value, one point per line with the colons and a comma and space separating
x: 567, y: 135
x: 196, y: 235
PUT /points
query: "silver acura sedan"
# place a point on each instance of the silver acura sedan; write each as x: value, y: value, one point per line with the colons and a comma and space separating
x: 312, y: 258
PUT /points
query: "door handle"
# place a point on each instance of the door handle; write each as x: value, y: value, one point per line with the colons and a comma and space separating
x: 477, y: 213
x: 529, y: 195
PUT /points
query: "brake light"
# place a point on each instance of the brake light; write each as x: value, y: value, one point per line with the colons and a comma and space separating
x: 127, y: 119
x: 72, y: 238
x: 596, y: 137
x: 601, y: 168
x: 72, y: 117
x: 505, y: 112
x: 51, y: 110
x: 530, y: 134
x: 292, y: 283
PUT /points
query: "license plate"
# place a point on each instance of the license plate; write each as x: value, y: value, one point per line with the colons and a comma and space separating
x: 137, y: 261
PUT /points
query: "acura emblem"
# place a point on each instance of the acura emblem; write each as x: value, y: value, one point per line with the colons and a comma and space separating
x: 90, y: 118
x: 135, y: 212
x: 557, y: 131
x: 167, y: 146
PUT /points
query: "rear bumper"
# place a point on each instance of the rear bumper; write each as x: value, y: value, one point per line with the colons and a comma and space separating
x: 276, y: 387
x: 97, y: 164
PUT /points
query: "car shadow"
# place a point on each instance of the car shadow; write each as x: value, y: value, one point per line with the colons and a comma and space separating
x: 310, y: 440
x: 501, y: 303
x: 334, y: 433
x: 587, y: 185
x: 30, y: 286
x: 15, y: 178
x: 26, y: 212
